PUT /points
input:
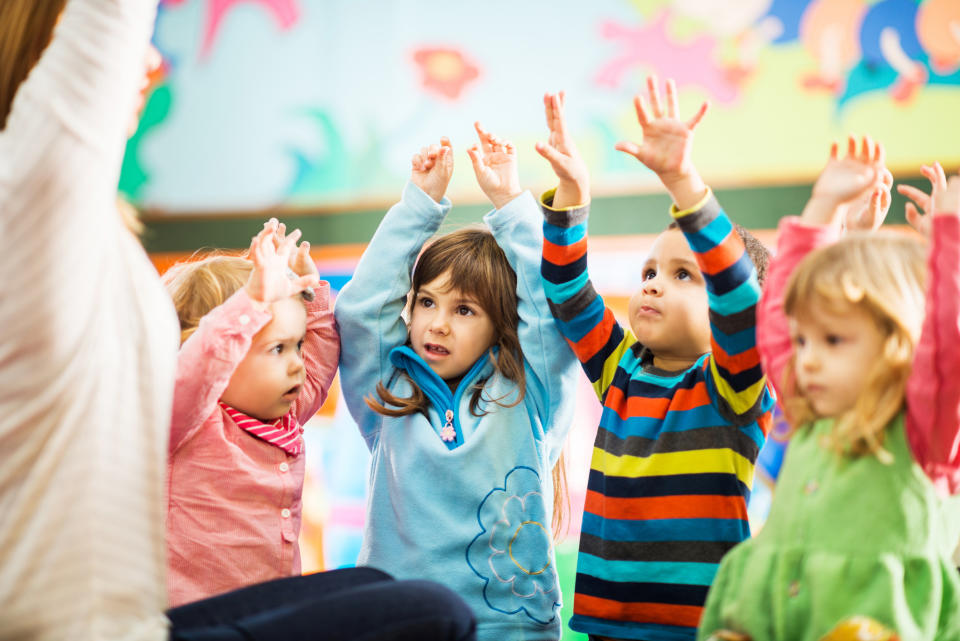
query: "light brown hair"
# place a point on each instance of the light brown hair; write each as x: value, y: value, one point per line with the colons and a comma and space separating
x: 477, y: 267
x: 25, y: 30
x: 884, y: 274
x: 198, y: 286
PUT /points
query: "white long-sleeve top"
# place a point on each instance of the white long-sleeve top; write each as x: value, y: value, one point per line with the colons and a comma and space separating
x: 88, y: 342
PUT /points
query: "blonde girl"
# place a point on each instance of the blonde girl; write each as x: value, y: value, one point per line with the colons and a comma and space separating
x: 466, y: 404
x: 255, y: 363
x: 863, y: 343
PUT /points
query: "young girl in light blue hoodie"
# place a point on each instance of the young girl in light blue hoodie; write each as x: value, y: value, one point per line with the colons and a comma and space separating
x: 466, y: 406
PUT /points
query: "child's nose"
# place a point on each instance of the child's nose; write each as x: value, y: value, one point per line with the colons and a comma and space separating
x: 652, y: 287
x: 440, y: 323
x: 296, y: 363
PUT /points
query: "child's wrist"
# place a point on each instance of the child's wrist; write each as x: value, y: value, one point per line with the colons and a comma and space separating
x: 499, y: 201
x: 686, y: 188
x: 822, y: 210
x: 570, y: 194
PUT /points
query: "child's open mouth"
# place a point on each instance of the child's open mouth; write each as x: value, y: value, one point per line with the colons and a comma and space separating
x: 293, y: 392
x: 437, y: 350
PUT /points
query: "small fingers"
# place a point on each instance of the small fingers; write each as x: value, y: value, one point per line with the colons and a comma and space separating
x: 697, y: 117
x: 940, y: 175
x: 834, y: 149
x: 643, y: 115
x: 866, y: 149
x: 673, y: 104
x: 654, y: 92
x: 921, y: 198
x: 628, y: 147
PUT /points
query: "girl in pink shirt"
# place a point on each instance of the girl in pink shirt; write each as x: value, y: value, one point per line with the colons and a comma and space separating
x: 259, y: 351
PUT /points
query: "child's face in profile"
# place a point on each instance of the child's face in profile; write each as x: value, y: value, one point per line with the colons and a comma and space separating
x: 834, y: 349
x: 448, y: 329
x: 670, y: 313
x: 269, y: 378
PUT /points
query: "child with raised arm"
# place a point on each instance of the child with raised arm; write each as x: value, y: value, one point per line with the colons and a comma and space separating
x: 867, y: 365
x: 465, y: 407
x: 259, y: 350
x: 685, y: 403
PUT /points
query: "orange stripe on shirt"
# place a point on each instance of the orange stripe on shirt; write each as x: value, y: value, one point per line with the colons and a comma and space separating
x: 738, y: 362
x: 666, y: 507
x: 723, y: 255
x: 564, y: 254
x: 594, y: 340
x: 639, y: 612
x: 647, y: 407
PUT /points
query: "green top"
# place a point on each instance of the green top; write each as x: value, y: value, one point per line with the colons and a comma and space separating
x: 846, y: 536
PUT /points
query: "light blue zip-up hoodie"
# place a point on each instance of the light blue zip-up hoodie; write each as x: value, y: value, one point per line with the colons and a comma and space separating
x: 474, y: 513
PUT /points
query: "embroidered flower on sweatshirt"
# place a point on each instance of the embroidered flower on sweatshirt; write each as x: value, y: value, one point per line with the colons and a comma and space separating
x: 513, y: 552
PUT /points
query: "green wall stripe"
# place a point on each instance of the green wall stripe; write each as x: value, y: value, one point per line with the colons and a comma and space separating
x: 754, y: 207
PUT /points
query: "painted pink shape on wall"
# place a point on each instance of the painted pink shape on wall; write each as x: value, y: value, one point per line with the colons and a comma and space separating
x: 445, y: 71
x: 690, y: 64
x: 285, y: 13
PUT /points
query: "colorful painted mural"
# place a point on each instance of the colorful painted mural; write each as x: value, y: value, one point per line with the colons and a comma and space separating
x: 320, y: 103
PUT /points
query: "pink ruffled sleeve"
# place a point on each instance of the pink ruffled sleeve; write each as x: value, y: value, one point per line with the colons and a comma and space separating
x: 933, y: 389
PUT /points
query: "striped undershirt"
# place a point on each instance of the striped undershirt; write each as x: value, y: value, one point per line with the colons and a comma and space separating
x: 674, y: 455
x: 284, y: 432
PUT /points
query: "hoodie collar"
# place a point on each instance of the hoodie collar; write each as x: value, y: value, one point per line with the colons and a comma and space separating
x: 436, y: 389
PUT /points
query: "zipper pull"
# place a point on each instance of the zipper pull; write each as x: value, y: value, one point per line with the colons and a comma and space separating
x: 448, y: 433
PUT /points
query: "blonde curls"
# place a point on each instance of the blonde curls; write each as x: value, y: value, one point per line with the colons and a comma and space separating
x: 883, y: 274
x: 199, y: 285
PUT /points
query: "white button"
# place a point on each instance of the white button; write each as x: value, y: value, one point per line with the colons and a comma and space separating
x: 244, y: 319
x: 284, y: 467
x: 285, y: 513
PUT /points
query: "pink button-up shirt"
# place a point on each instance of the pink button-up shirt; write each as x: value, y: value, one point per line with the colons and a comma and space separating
x: 234, y: 500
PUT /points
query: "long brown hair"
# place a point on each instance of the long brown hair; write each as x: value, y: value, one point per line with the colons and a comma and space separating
x: 476, y: 266
x: 25, y: 30
x: 884, y: 274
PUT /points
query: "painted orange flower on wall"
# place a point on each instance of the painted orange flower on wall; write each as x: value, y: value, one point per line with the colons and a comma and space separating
x: 445, y: 71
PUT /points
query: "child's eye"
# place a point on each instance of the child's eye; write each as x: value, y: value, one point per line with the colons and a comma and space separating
x: 683, y: 274
x: 799, y: 340
x: 833, y: 339
x: 649, y: 273
x: 278, y: 348
x: 300, y: 345
x: 426, y: 302
x: 464, y: 310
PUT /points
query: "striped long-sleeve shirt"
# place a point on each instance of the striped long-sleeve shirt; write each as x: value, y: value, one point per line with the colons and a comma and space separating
x: 674, y: 454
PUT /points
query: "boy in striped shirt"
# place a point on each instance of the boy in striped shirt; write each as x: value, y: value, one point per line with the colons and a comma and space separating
x: 686, y: 406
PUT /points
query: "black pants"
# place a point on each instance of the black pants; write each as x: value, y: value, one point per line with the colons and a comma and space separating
x: 352, y: 604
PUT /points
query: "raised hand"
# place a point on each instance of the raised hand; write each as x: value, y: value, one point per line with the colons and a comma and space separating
x: 271, y: 256
x: 574, y: 186
x: 869, y: 211
x: 432, y: 168
x: 845, y: 180
x: 946, y: 193
x: 495, y: 165
x: 667, y: 147
x: 938, y: 182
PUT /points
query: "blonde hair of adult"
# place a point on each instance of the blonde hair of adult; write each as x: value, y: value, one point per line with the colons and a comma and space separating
x: 198, y: 286
x: 884, y: 274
